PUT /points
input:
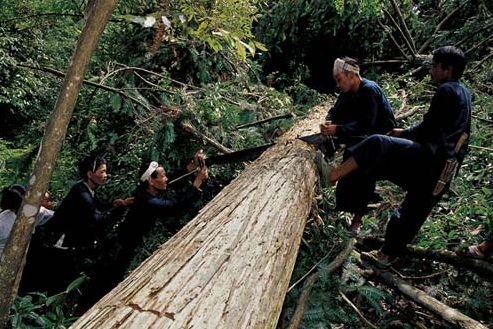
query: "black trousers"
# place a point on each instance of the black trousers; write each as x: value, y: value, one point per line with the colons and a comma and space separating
x: 408, y: 164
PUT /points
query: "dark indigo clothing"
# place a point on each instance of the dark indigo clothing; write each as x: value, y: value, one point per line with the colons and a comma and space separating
x: 414, y: 163
x: 447, y: 118
x: 145, y: 210
x: 78, y: 217
x: 364, y: 112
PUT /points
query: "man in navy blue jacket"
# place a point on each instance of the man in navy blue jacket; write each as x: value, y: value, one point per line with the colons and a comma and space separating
x: 361, y: 108
x: 412, y: 158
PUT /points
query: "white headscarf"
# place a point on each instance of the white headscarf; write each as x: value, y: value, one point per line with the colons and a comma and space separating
x: 341, y: 66
x: 152, y: 167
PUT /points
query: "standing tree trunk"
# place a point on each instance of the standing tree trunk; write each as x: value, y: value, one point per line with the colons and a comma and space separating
x: 13, y: 257
x: 230, y: 266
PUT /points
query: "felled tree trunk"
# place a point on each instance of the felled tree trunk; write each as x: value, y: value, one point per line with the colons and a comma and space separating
x: 230, y: 266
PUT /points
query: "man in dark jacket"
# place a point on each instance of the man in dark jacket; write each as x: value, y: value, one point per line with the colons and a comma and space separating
x: 413, y: 158
x: 149, y: 205
x: 360, y: 110
x: 75, y: 225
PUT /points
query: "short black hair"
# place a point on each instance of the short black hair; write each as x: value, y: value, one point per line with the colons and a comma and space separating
x: 12, y: 197
x: 453, y: 57
x: 90, y: 163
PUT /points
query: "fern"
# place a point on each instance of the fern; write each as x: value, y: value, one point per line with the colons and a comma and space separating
x: 372, y: 295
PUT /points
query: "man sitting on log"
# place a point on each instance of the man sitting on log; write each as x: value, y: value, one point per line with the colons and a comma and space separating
x: 421, y: 159
x: 360, y: 110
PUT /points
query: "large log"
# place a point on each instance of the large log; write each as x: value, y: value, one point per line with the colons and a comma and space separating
x: 230, y: 266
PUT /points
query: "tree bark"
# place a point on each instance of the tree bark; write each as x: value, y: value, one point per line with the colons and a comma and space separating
x: 13, y: 257
x: 447, y: 313
x: 230, y: 266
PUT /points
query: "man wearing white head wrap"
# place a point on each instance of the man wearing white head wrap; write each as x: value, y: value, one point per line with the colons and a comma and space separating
x: 150, y: 206
x: 414, y: 158
x: 360, y: 110
x: 341, y: 66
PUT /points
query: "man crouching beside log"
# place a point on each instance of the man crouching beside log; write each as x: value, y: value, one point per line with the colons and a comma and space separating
x: 421, y: 160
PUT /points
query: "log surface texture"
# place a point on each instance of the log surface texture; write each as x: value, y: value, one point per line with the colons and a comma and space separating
x: 230, y: 266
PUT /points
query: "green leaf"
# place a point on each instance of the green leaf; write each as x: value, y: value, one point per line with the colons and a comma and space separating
x: 55, y: 299
x: 116, y: 102
x: 240, y: 49
x: 76, y: 283
x: 260, y: 46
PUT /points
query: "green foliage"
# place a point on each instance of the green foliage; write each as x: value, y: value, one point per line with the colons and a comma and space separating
x: 14, y: 163
x: 222, y: 25
x: 37, y: 310
x: 312, y: 33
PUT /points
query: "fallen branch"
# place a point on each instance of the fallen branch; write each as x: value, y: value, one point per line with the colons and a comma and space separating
x: 138, y: 69
x: 277, y: 117
x: 483, y: 60
x: 90, y: 83
x: 300, y: 307
x: 401, y: 32
x: 438, y: 28
x: 474, y: 33
x: 447, y: 313
x: 189, y: 128
x: 361, y: 316
x: 384, y: 62
x: 482, y: 119
x: 479, y: 44
x: 413, y: 110
x: 407, y: 34
x: 450, y: 257
x: 423, y: 277
x: 443, y: 256
x: 393, y: 39
x: 481, y: 147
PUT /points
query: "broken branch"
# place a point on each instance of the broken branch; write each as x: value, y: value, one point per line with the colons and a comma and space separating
x: 361, y: 316
x: 447, y: 313
x: 440, y: 26
x: 189, y: 128
x: 277, y: 117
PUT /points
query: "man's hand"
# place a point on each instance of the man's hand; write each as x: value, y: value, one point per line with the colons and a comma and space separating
x: 201, y: 177
x: 123, y: 202
x: 396, y: 132
x: 328, y: 128
x: 197, y: 161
